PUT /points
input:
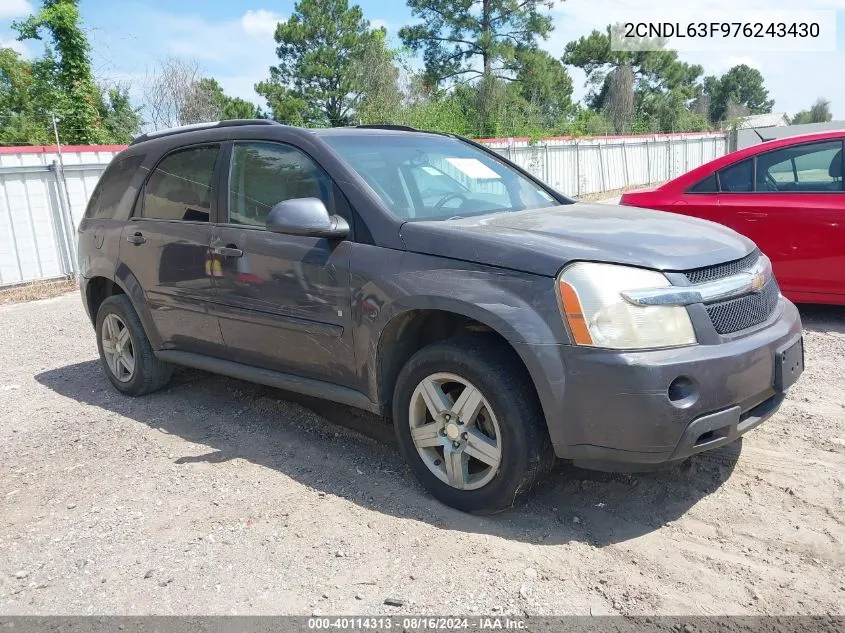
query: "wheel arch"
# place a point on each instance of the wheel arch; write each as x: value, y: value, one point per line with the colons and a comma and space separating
x: 422, y: 322
x: 100, y: 287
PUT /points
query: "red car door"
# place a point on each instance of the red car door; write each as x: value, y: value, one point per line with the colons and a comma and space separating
x: 791, y: 203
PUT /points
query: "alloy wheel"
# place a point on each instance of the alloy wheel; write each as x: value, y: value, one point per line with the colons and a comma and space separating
x: 118, y: 350
x: 455, y: 431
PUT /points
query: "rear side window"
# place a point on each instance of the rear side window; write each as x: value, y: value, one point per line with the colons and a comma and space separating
x: 113, y: 184
x: 738, y: 178
x: 179, y: 188
x: 708, y: 185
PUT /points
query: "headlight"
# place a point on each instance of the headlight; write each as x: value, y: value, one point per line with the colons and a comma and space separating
x: 592, y: 304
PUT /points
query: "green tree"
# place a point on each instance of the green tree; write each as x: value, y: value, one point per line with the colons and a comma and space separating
x: 206, y: 101
x: 468, y: 39
x: 623, y: 82
x: 316, y: 82
x: 589, y: 122
x: 122, y: 121
x: 237, y: 108
x: 76, y: 98
x: 22, y: 116
x: 377, y: 79
x: 818, y: 113
x: 436, y: 110
x: 740, y: 87
x: 544, y: 83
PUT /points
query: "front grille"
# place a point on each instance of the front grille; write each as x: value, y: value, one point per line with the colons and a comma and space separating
x: 711, y: 273
x: 744, y: 312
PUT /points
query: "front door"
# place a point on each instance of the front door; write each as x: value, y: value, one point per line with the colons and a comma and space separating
x: 795, y: 212
x: 283, y: 300
x: 166, y: 247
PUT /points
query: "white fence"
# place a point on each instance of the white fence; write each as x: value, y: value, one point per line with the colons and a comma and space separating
x: 579, y: 167
x: 38, y: 216
x: 37, y: 230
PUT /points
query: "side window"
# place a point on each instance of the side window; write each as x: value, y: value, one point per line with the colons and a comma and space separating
x: 708, y: 185
x: 814, y: 167
x: 264, y: 174
x: 112, y: 186
x: 179, y: 188
x: 738, y: 178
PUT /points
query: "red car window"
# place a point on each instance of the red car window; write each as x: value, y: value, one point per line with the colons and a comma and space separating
x: 738, y: 178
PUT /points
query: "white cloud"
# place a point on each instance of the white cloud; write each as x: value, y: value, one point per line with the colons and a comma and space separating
x: 15, y: 45
x: 260, y: 22
x: 14, y: 9
x: 237, y: 51
x: 378, y: 23
x: 730, y: 62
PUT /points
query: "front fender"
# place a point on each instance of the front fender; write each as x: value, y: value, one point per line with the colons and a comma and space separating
x: 520, y: 307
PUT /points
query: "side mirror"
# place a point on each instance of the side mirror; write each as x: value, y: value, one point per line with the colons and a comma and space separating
x: 306, y: 216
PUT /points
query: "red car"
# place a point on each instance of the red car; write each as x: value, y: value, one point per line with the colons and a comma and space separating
x: 786, y: 195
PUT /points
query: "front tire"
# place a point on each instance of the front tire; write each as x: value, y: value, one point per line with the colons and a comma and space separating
x: 470, y: 426
x: 125, y: 350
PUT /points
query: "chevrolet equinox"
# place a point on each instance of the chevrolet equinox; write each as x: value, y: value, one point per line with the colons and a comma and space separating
x: 424, y: 277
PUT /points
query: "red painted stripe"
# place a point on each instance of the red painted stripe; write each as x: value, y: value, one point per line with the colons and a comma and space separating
x: 51, y: 149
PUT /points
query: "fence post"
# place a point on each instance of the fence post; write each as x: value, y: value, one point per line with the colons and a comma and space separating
x: 669, y: 158
x: 548, y: 168
x: 577, y: 171
x: 69, y: 258
x: 625, y: 165
x: 67, y: 218
x: 648, y: 162
x: 601, y: 168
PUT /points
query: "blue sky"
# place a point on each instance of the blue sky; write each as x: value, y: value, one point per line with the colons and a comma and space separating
x: 233, y: 40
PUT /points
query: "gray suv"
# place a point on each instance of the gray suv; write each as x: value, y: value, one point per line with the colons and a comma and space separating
x: 423, y: 277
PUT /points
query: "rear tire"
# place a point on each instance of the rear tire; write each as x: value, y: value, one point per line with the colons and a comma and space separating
x: 125, y: 350
x: 488, y: 446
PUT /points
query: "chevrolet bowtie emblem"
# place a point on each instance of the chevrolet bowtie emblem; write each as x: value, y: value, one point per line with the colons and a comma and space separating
x: 761, y: 273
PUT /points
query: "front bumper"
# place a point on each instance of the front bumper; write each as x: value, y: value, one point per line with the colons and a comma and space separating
x: 616, y: 407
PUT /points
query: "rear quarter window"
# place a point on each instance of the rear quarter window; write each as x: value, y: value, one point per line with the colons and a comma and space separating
x: 708, y: 185
x: 738, y: 178
x: 113, y: 185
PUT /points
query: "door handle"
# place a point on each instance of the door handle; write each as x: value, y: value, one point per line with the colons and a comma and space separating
x: 753, y: 215
x: 227, y: 251
x: 136, y: 238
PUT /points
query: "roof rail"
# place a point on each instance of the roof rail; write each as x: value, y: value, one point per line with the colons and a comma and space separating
x: 200, y: 126
x: 386, y: 126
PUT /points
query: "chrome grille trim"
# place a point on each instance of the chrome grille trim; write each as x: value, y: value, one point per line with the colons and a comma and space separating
x: 752, y: 280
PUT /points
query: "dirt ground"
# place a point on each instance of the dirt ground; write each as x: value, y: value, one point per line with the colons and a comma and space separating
x: 219, y: 497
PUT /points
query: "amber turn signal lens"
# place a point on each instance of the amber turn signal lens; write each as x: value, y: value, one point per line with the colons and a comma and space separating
x: 574, y: 314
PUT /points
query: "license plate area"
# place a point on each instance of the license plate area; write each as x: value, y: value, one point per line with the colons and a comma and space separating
x: 789, y: 363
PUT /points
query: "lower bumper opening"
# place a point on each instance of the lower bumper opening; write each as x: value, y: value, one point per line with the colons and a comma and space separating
x: 716, y: 429
x: 702, y: 434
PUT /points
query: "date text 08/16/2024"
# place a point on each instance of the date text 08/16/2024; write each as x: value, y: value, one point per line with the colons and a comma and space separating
x: 416, y: 623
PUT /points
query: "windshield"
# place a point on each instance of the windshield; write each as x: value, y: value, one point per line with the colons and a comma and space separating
x: 423, y: 177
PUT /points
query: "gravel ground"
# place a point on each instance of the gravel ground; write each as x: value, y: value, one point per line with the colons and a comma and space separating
x: 219, y: 497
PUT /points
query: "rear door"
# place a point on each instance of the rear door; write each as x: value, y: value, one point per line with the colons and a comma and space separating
x: 283, y: 300
x: 791, y: 202
x: 166, y: 246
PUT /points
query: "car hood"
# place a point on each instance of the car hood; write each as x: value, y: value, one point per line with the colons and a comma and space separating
x: 541, y: 241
